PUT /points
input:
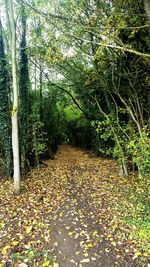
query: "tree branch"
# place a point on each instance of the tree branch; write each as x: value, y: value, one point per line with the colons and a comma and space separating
x: 121, y: 48
x: 40, y: 12
x: 64, y: 90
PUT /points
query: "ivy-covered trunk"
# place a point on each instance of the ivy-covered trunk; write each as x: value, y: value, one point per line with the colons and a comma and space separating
x: 5, y: 120
x: 24, y: 97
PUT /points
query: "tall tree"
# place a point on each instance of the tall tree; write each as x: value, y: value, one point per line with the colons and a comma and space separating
x: 5, y: 129
x: 24, y: 95
x: 15, y: 134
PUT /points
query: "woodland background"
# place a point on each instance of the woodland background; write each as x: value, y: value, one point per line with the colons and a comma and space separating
x: 75, y: 73
x: 83, y: 78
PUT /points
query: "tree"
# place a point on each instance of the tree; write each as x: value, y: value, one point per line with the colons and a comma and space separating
x: 15, y: 134
x: 5, y: 129
x: 24, y: 107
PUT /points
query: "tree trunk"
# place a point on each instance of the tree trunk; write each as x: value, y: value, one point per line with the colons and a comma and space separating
x: 15, y: 135
x: 41, y: 93
x: 147, y: 8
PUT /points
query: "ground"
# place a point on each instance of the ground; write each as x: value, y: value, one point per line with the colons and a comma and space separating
x: 74, y: 211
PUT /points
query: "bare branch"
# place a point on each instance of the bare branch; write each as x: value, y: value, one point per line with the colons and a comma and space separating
x: 47, y: 16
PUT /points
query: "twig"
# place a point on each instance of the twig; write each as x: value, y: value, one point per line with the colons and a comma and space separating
x: 3, y: 162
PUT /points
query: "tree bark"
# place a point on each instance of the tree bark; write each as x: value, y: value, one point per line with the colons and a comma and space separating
x: 41, y: 93
x: 15, y: 135
x: 147, y: 8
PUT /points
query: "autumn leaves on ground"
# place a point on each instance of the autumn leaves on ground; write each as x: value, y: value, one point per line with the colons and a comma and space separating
x: 74, y: 211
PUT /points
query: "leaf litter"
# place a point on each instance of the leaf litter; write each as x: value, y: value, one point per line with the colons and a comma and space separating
x: 74, y: 211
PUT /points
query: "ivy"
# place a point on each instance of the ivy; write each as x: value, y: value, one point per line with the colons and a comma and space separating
x: 5, y: 121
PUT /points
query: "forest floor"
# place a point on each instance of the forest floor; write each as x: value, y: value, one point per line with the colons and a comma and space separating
x: 75, y: 211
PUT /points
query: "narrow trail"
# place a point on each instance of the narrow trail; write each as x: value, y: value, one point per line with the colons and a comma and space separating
x: 76, y: 236
x: 66, y: 215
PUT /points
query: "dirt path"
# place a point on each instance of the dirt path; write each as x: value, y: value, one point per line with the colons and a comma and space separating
x: 66, y: 216
x: 77, y: 237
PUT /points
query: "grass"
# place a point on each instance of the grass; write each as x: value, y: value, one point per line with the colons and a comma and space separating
x: 134, y: 205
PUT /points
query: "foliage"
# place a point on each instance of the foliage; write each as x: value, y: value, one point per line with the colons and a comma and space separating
x: 98, y: 51
x: 104, y: 136
x: 38, y: 138
x: 139, y: 149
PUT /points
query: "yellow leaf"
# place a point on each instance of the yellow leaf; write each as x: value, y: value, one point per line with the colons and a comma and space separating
x: 46, y: 238
x: 113, y: 243
x: 46, y: 264
x: 80, y: 265
x: 90, y: 245
x: 86, y: 254
x: 4, y: 250
x: 95, y: 233
x: 28, y: 229
x: 138, y: 253
x: 145, y: 255
x: 15, y: 243
x: 70, y: 233
x: 109, y: 235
